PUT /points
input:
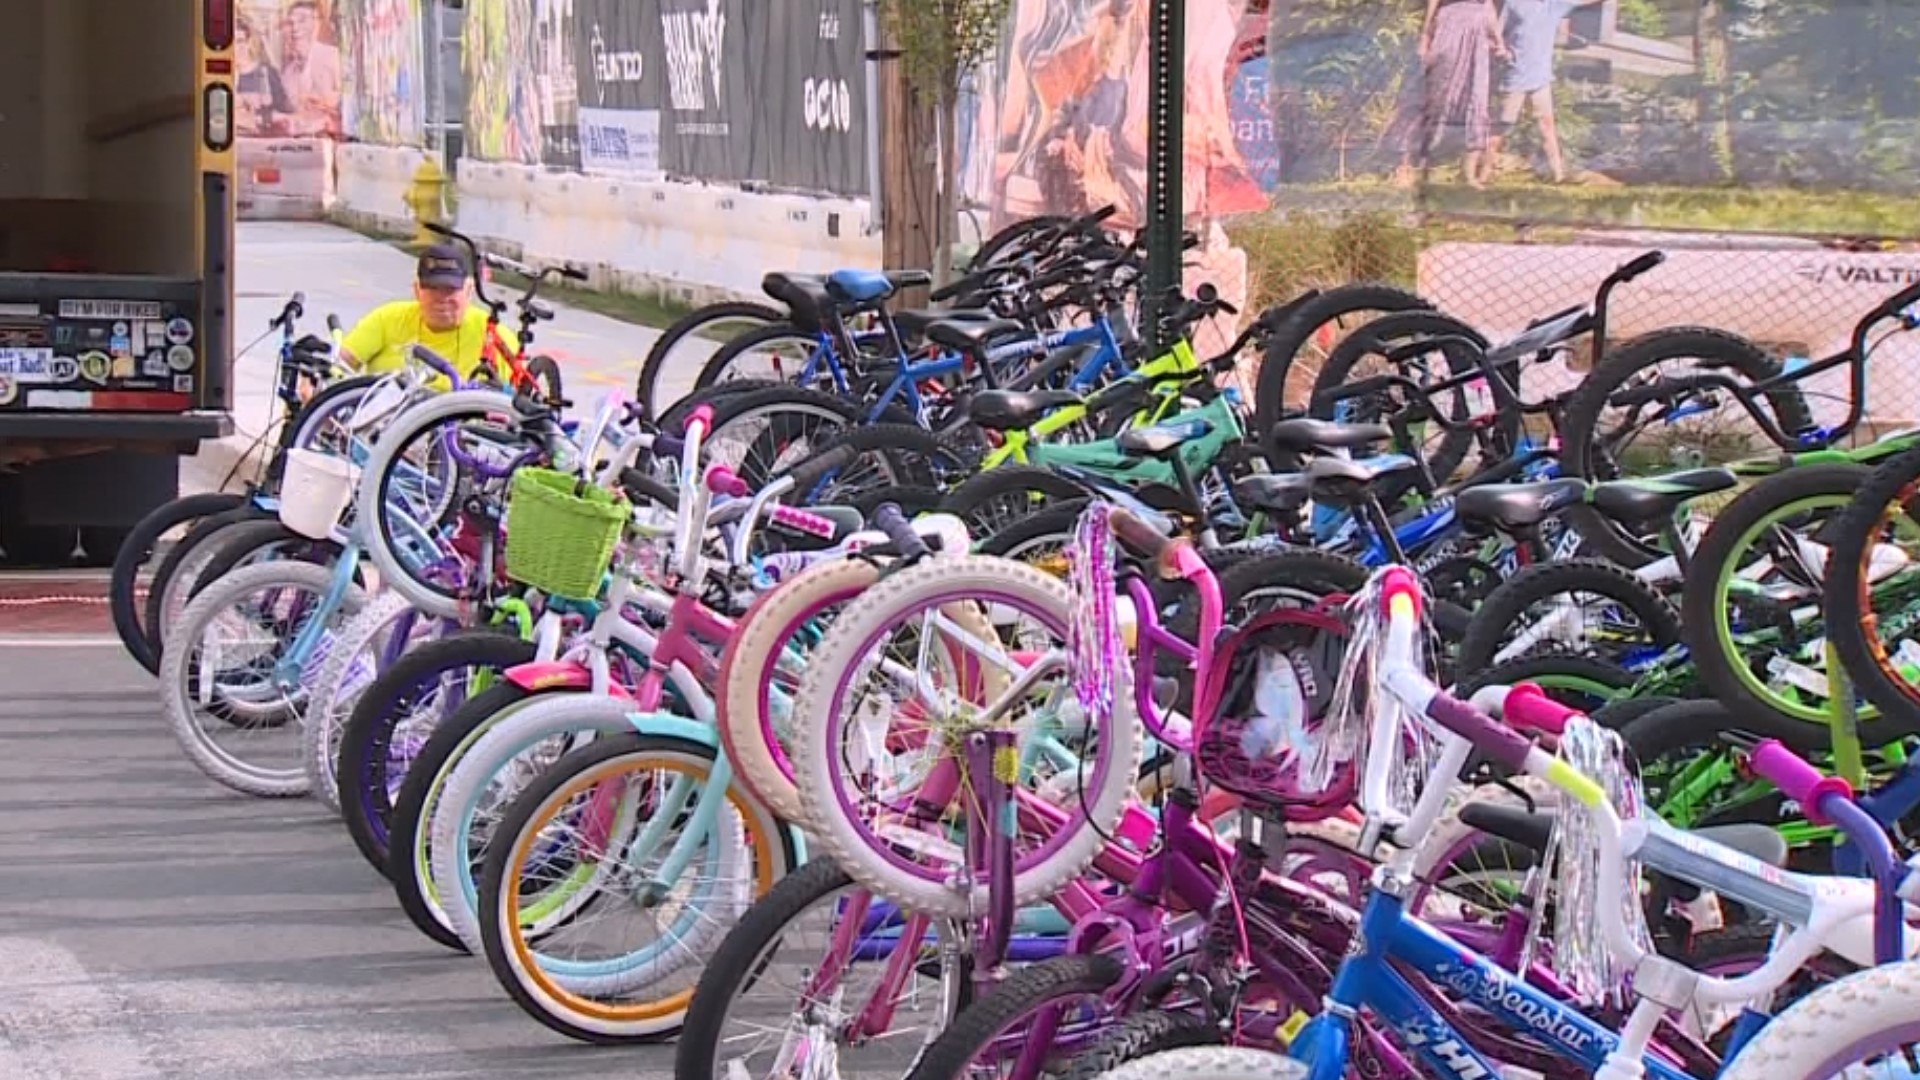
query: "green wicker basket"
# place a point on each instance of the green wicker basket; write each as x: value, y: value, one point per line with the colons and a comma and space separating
x: 560, y: 536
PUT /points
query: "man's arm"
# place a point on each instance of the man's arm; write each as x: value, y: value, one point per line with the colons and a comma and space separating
x: 367, y: 340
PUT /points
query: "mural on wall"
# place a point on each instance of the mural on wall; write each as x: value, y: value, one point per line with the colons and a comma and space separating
x: 1060, y: 125
x: 385, y: 71
x: 555, y: 82
x: 503, y: 107
x: 288, y: 72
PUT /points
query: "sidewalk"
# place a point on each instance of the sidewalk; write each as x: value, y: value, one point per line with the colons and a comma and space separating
x: 346, y: 274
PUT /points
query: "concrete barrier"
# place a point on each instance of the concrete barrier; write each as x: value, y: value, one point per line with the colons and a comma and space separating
x: 371, y: 185
x: 284, y: 179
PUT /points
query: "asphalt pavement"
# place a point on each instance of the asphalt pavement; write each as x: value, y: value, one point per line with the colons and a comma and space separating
x: 155, y: 925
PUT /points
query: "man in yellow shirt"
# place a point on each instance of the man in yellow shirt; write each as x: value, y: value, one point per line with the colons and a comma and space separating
x: 441, y: 316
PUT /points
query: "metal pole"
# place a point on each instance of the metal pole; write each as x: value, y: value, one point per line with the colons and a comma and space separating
x: 1166, y: 107
x: 870, y: 30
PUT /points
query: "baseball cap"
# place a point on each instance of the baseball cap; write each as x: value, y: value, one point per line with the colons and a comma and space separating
x: 442, y: 266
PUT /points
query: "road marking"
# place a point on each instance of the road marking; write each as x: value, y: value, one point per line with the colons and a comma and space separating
x: 61, y: 1020
x: 63, y: 641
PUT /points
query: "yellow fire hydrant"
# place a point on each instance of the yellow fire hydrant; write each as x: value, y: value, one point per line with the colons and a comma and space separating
x: 427, y: 198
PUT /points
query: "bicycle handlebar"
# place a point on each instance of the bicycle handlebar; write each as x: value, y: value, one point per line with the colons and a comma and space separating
x: 293, y: 312
x: 889, y: 519
x: 435, y: 361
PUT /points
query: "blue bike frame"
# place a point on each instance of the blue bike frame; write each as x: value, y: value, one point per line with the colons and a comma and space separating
x: 1367, y: 980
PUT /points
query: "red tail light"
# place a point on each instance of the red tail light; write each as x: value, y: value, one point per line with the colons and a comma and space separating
x: 218, y: 29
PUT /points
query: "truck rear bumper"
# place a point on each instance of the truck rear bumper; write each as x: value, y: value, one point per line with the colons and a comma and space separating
x: 102, y: 427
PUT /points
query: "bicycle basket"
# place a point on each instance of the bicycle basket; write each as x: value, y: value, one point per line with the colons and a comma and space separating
x: 560, y: 534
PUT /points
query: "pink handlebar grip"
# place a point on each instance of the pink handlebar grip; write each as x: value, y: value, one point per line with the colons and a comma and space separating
x: 722, y: 481
x: 1528, y: 706
x: 1796, y: 779
x: 1398, y: 581
x: 795, y: 518
x: 702, y: 416
x: 1188, y: 561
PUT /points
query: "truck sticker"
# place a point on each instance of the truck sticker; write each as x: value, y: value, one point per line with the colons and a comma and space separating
x: 27, y: 365
x: 124, y: 366
x: 120, y: 345
x: 65, y: 369
x: 183, y: 384
x: 109, y: 310
x: 156, y: 365
x: 139, y: 337
x: 180, y: 358
x: 23, y: 337
x: 8, y: 390
x: 120, y: 329
x: 95, y: 367
x: 179, y: 331
x: 19, y: 311
x: 59, y: 399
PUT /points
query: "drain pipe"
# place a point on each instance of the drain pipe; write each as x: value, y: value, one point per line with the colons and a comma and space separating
x: 870, y: 18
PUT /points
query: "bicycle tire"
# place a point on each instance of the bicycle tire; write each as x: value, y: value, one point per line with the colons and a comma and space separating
x: 1852, y: 627
x: 942, y: 581
x: 982, y: 489
x: 360, y: 770
x: 175, y: 677
x: 1580, y: 416
x: 1871, y: 1008
x: 1489, y: 628
x: 545, y: 997
x: 716, y: 366
x: 234, y: 547
x: 300, y: 431
x: 679, y: 330
x: 1705, y: 598
x: 124, y: 604
x: 674, y: 419
x: 1283, y: 346
x: 1453, y: 447
x: 1212, y: 1062
x: 343, y: 673
x: 1138, y: 1036
x: 1030, y: 989
x: 169, y: 591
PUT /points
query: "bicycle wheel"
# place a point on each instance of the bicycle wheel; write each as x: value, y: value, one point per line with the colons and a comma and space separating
x: 1579, y: 604
x: 590, y: 841
x: 699, y: 329
x: 198, y: 681
x: 1867, y: 1017
x: 1869, y: 607
x: 1043, y: 1013
x: 1300, y: 345
x: 1058, y: 840
x: 1754, y: 589
x: 396, y: 718
x: 181, y: 567
x: 1212, y: 1062
x: 1001, y: 498
x: 763, y: 433
x: 789, y: 978
x: 778, y: 352
x: 372, y: 642
x: 1595, y: 450
x: 1141, y: 1035
x: 124, y: 603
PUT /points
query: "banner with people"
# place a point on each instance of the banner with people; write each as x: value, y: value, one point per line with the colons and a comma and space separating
x: 287, y: 77
x: 384, y: 76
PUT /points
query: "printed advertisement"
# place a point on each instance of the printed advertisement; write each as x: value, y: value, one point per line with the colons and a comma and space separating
x: 287, y: 77
x: 715, y: 61
x: 813, y: 136
x: 622, y: 80
x: 385, y: 74
x: 556, y: 87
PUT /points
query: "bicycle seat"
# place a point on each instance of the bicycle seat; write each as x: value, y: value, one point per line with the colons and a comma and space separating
x: 1162, y: 440
x: 868, y: 286
x: 1655, y: 498
x: 1343, y: 480
x: 913, y: 323
x: 1306, y: 434
x: 805, y: 296
x: 970, y: 336
x: 1534, y: 831
x: 1276, y: 493
x: 1011, y: 410
x: 1517, y: 506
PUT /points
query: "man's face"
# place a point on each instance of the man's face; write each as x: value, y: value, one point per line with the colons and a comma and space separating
x: 442, y: 308
x: 301, y: 25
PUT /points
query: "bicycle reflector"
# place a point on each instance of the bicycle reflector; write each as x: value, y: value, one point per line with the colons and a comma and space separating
x: 217, y: 23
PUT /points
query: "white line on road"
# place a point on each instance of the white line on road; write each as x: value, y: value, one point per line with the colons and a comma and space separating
x: 63, y: 641
x: 60, y: 1021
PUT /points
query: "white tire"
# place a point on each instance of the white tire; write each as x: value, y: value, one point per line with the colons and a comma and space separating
x: 186, y: 701
x: 1211, y: 1062
x: 1875, y: 1011
x: 946, y: 581
x: 399, y: 434
x: 351, y: 665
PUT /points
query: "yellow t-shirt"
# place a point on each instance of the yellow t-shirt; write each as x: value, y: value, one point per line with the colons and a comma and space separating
x: 381, y: 340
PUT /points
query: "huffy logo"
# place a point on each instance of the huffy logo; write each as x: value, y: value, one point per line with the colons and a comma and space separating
x: 695, y: 41
x: 1858, y: 274
x: 614, y: 67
